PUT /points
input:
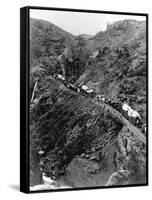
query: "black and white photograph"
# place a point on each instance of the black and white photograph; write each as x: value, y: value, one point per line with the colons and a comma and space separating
x: 88, y: 99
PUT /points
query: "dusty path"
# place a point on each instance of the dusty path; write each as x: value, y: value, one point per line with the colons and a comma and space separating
x: 137, y: 132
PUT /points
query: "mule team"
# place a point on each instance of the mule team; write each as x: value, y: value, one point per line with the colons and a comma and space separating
x: 129, y: 113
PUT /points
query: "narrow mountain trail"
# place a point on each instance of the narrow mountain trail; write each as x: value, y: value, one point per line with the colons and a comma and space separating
x: 80, y: 136
x: 140, y: 136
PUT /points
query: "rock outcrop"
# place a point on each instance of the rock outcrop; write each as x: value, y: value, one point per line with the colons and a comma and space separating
x: 86, y: 143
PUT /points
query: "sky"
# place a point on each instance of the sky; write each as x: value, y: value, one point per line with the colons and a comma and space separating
x: 80, y: 23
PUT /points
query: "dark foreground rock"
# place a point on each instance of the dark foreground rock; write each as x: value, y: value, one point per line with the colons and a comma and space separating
x: 122, y: 162
x: 84, y: 143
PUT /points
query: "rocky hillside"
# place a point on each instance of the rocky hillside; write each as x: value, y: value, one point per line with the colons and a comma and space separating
x: 119, y: 70
x: 74, y: 139
x: 83, y: 143
x: 46, y: 39
x: 118, y: 34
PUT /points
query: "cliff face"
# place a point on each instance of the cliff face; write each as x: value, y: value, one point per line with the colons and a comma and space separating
x: 84, y: 142
x: 46, y: 39
x: 119, y: 69
x: 121, y: 162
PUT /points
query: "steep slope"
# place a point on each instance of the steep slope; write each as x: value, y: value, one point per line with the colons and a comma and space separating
x: 118, y: 34
x: 84, y: 143
x: 46, y: 39
x: 119, y: 69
